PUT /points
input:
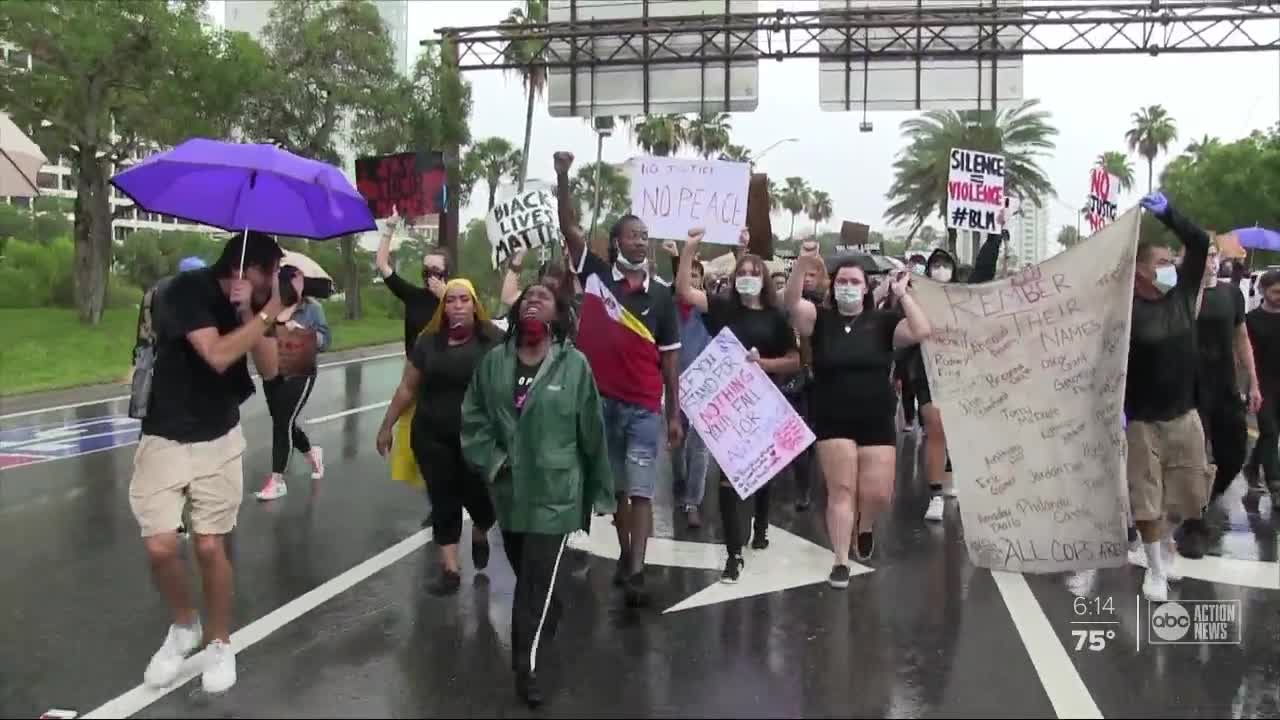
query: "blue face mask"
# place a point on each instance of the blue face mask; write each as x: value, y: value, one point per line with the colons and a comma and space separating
x: 1166, y: 277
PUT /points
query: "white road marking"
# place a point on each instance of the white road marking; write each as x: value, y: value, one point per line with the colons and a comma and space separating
x: 344, y: 413
x: 1228, y: 571
x: 142, y: 696
x: 118, y: 398
x: 1058, y: 675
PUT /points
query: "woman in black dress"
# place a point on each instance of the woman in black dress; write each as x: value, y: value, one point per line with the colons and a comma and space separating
x: 853, y: 400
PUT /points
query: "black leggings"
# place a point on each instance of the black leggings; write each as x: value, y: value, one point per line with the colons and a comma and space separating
x: 537, y: 562
x: 451, y: 485
x: 286, y: 397
x: 732, y: 510
x: 1227, y: 430
x: 1265, y: 455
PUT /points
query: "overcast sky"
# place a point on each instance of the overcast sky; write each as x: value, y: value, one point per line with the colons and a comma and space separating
x: 1091, y: 98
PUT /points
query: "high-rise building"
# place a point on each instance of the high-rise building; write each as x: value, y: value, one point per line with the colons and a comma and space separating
x: 1029, y: 233
x: 251, y: 16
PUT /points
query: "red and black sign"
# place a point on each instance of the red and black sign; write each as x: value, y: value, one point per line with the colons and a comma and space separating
x: 413, y: 183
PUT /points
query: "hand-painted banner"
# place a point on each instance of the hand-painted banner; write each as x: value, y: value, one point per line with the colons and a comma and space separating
x: 746, y: 422
x: 673, y: 195
x: 527, y: 221
x: 1029, y: 373
x: 1100, y: 205
x: 412, y: 184
x: 975, y: 191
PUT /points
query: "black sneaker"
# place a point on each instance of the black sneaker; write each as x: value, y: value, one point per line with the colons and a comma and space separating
x: 480, y: 554
x: 865, y: 546
x: 635, y: 594
x: 528, y: 690
x: 621, y: 572
x: 1193, y: 539
x: 732, y: 569
x: 760, y: 539
x: 839, y: 577
x: 447, y: 584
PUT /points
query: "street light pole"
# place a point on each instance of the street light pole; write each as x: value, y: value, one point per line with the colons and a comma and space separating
x: 766, y: 150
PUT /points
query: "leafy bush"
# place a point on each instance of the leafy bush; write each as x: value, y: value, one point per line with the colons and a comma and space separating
x: 37, y: 275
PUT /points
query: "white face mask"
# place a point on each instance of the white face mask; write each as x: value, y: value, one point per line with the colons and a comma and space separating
x: 1166, y: 277
x: 917, y: 269
x: 942, y: 273
x: 627, y: 266
x: 849, y: 297
x: 748, y: 285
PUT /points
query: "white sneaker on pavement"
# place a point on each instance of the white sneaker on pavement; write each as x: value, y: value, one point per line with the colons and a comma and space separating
x: 936, y: 506
x: 219, y: 668
x: 167, y: 662
x: 317, y: 462
x: 1155, y: 587
x: 273, y: 490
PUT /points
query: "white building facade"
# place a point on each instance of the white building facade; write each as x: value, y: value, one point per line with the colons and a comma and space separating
x: 1029, y: 233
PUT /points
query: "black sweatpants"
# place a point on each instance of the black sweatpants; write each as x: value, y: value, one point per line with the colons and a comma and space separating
x: 536, y: 559
x: 451, y: 485
x: 733, y: 512
x: 286, y: 397
x: 1227, y: 430
x: 1265, y: 454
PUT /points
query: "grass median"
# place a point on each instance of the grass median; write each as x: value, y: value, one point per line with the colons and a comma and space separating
x: 48, y: 349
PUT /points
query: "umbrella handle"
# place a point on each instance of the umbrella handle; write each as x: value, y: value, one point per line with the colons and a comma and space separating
x: 244, y: 246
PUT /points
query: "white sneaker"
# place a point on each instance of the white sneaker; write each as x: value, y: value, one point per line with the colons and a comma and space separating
x: 1137, y: 554
x: 167, y: 662
x: 1155, y: 587
x: 936, y: 506
x: 273, y: 490
x: 219, y: 668
x: 317, y: 462
x: 1170, y: 553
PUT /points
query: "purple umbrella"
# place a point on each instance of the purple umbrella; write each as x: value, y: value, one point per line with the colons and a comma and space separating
x: 241, y: 187
x: 1256, y: 238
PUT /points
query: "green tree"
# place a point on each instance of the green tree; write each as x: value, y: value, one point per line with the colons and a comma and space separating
x: 736, y: 153
x: 795, y: 199
x: 1199, y: 147
x: 709, y: 133
x: 1117, y: 164
x: 819, y: 209
x: 534, y: 73
x: 775, y: 197
x: 332, y: 76
x: 475, y: 263
x: 1068, y: 236
x: 662, y: 135
x: 1021, y: 134
x: 615, y: 192
x: 1152, y: 133
x: 496, y: 159
x: 108, y: 78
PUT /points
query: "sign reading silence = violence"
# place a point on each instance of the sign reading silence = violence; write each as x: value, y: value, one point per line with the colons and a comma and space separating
x: 672, y: 195
x: 975, y: 191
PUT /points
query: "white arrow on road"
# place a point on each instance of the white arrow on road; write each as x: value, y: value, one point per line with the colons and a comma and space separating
x: 790, y: 562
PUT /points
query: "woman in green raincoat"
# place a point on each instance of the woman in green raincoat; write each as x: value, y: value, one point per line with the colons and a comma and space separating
x: 531, y: 424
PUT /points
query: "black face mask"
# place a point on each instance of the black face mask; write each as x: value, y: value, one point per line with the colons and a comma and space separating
x: 428, y: 274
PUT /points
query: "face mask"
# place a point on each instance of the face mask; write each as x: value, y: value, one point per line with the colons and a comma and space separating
x: 458, y: 331
x: 1166, y: 277
x: 627, y: 266
x: 917, y: 269
x: 428, y: 274
x: 942, y: 274
x: 849, y: 297
x: 533, y: 331
x: 748, y: 285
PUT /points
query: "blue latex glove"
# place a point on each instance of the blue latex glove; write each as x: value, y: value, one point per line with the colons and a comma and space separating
x: 1156, y: 202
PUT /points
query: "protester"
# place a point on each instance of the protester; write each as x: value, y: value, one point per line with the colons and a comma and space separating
x: 301, y: 332
x: 853, y: 402
x: 420, y: 303
x: 554, y: 274
x: 531, y: 424
x: 1222, y: 343
x: 690, y: 461
x: 192, y: 445
x: 752, y: 314
x: 1264, y: 333
x: 1165, y: 462
x: 799, y: 388
x: 779, y: 280
x: 437, y: 376
x: 630, y: 335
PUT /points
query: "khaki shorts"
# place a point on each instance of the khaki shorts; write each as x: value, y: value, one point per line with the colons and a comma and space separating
x: 165, y: 473
x: 1167, y: 468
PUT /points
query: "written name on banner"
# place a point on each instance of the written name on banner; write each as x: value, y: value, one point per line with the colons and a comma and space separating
x: 672, y: 195
x: 975, y: 191
x: 1029, y: 373
x: 744, y: 419
x: 1100, y: 205
x: 527, y: 221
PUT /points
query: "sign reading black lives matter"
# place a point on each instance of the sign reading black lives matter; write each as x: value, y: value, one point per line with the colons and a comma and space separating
x: 1029, y: 373
x: 527, y: 221
x: 975, y: 191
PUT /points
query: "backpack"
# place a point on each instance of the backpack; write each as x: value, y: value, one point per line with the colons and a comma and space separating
x: 146, y: 349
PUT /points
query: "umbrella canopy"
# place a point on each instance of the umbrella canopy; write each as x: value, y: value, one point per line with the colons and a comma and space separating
x: 315, y: 281
x: 239, y: 187
x: 1256, y: 238
x: 20, y: 161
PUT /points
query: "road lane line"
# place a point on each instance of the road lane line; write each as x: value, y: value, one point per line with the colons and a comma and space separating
x: 246, y: 637
x: 344, y: 413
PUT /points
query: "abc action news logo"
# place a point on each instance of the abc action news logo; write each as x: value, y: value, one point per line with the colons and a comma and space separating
x: 1194, y: 622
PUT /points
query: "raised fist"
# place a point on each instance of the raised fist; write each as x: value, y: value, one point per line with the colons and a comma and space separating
x: 564, y: 161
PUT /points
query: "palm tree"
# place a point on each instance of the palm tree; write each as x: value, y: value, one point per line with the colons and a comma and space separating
x: 775, y: 197
x: 615, y: 189
x: 1198, y: 148
x: 736, y: 153
x: 1117, y: 164
x: 709, y: 133
x: 533, y: 74
x: 495, y: 159
x: 1152, y: 132
x: 795, y: 199
x: 819, y: 209
x: 919, y: 190
x: 662, y: 135
x: 1068, y: 236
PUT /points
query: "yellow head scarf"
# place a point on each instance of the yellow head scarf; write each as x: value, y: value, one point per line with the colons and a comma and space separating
x: 482, y: 316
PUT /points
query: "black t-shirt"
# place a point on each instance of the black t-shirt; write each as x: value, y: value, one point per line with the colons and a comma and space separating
x: 419, y: 305
x: 190, y: 401
x: 1221, y: 314
x: 446, y: 374
x: 1264, y: 335
x: 524, y: 382
x: 852, y: 357
x: 766, y: 329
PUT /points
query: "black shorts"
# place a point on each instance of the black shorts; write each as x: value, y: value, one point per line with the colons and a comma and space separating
x: 867, y: 425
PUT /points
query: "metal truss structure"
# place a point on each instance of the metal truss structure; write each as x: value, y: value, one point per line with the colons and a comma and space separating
x: 910, y: 29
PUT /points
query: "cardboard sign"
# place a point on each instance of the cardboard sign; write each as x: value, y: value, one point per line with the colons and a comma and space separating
x: 1100, y: 205
x: 975, y: 191
x: 673, y: 195
x: 854, y: 234
x: 746, y: 422
x: 527, y: 221
x: 413, y: 183
x: 1029, y: 373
